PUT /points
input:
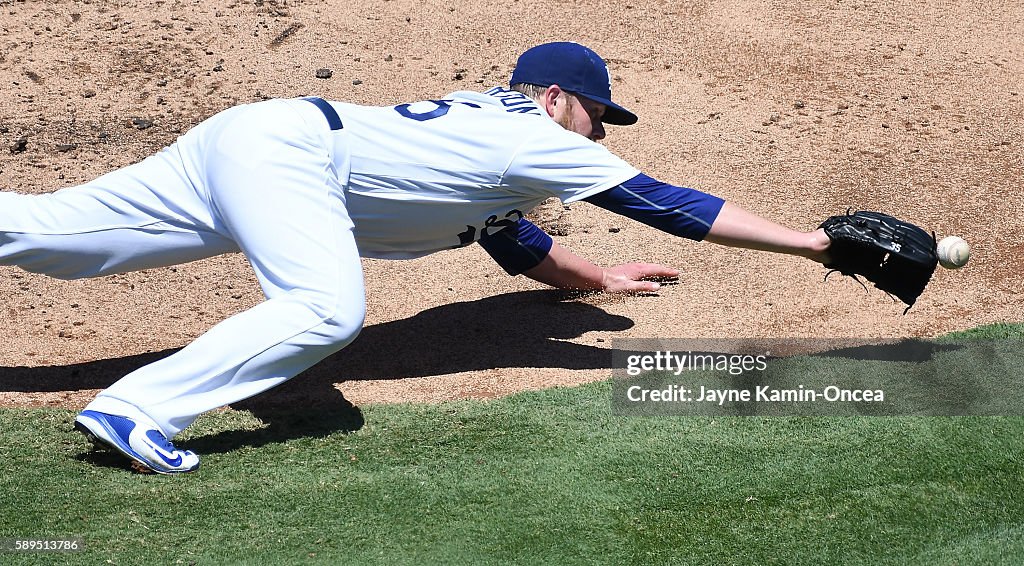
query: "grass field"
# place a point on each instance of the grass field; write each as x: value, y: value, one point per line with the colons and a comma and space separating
x: 549, y: 477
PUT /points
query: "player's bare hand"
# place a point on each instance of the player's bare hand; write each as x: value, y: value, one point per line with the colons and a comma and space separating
x: 637, y: 277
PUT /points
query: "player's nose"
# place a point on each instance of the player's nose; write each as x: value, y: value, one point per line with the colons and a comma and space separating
x: 597, y: 134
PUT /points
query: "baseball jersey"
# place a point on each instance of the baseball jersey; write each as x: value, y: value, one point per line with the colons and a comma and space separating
x: 441, y: 174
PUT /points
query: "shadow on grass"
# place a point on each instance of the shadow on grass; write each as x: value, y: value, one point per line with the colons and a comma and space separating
x: 104, y: 458
x: 282, y: 424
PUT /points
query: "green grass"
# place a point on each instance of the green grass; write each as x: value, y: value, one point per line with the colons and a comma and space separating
x: 550, y: 477
x: 545, y: 477
x: 999, y: 330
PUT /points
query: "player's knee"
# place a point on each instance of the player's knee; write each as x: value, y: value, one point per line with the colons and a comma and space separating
x: 339, y: 316
x: 340, y: 325
x: 344, y: 327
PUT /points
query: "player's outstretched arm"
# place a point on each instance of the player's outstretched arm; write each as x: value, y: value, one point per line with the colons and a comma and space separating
x: 689, y: 213
x: 741, y: 228
x: 566, y: 270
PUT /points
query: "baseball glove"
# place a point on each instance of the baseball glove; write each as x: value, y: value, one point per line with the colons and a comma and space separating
x: 897, y: 256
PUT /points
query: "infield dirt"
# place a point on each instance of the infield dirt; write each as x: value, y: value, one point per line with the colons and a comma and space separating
x: 795, y: 110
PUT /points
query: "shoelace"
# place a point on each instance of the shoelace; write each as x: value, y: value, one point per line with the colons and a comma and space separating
x: 166, y: 444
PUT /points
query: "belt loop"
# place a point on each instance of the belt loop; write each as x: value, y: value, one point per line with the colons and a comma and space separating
x: 333, y: 120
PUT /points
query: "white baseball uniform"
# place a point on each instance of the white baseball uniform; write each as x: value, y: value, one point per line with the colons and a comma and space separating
x: 302, y: 202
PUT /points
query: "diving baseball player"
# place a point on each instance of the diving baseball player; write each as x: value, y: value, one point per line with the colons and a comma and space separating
x: 304, y: 187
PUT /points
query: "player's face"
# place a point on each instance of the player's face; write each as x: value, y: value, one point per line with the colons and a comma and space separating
x: 581, y: 115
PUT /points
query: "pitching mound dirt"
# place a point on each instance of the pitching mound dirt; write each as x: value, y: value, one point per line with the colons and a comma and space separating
x: 795, y: 110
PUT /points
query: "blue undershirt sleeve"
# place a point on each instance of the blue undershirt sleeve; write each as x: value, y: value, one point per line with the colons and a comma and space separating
x: 518, y: 248
x: 680, y: 211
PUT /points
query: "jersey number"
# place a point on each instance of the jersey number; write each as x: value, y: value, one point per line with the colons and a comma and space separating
x: 443, y: 106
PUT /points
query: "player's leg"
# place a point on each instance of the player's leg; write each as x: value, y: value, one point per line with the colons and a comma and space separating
x: 149, y: 214
x: 145, y: 215
x: 274, y: 186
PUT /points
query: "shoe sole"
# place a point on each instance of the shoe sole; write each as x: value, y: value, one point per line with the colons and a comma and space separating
x: 101, y: 443
x: 105, y: 438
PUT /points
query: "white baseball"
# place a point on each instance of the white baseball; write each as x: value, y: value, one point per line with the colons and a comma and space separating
x: 953, y: 252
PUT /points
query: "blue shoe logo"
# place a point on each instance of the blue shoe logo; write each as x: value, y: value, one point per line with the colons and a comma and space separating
x: 173, y: 460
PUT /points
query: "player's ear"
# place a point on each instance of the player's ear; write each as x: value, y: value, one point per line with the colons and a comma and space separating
x: 552, y: 98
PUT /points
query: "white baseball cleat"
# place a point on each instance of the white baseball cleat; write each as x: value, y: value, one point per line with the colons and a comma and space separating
x: 147, y: 448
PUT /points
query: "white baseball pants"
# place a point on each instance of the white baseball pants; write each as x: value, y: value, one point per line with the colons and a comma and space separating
x: 261, y: 179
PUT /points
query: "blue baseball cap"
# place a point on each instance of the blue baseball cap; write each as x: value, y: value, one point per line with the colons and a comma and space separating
x: 574, y: 68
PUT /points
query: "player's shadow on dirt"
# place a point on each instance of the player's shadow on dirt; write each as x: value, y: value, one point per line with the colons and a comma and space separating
x: 514, y: 330
x: 525, y: 329
x: 517, y: 330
